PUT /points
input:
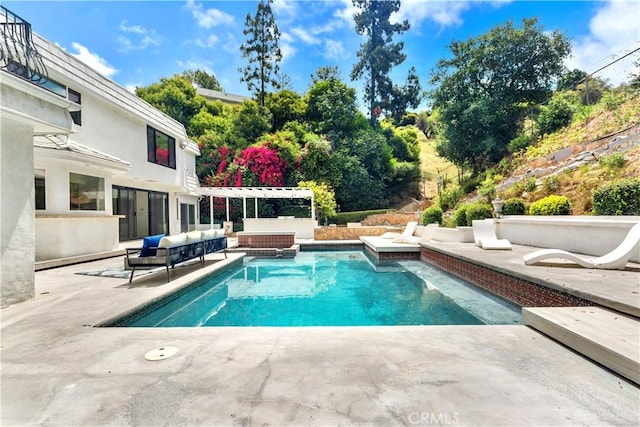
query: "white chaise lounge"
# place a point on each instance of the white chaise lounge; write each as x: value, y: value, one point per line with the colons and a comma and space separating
x: 380, y: 244
x: 426, y: 236
x: 484, y: 234
x: 409, y: 229
x: 614, y: 260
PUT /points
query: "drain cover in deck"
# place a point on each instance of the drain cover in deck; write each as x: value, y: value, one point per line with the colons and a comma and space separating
x: 161, y: 353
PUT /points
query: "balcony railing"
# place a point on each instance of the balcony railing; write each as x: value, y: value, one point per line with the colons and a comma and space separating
x: 18, y: 53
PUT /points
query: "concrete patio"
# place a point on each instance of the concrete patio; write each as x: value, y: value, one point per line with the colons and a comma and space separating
x: 57, y: 369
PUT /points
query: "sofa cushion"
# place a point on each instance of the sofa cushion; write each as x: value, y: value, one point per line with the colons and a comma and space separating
x: 171, y: 241
x: 194, y: 236
x: 208, y: 234
x: 212, y: 234
x: 149, y: 245
x: 149, y: 260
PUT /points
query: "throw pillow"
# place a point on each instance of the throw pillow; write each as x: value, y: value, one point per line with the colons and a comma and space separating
x: 150, y: 245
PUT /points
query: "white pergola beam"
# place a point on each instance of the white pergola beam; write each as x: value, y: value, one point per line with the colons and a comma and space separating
x: 256, y: 193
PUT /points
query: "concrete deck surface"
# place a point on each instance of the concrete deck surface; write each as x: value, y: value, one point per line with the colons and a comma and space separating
x: 57, y: 369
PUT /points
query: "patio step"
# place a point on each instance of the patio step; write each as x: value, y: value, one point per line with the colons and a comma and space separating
x: 61, y: 262
x: 605, y: 336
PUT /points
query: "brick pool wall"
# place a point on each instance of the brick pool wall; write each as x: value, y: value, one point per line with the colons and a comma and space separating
x: 279, y: 241
x: 512, y: 288
x: 393, y: 256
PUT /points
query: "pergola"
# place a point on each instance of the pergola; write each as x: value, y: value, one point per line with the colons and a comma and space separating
x: 256, y: 193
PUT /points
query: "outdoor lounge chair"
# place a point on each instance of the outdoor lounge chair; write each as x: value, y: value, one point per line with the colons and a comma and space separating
x: 427, y: 234
x: 614, y: 260
x: 408, y: 231
x: 484, y: 234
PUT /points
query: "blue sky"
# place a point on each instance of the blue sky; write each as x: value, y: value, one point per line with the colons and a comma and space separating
x: 137, y: 43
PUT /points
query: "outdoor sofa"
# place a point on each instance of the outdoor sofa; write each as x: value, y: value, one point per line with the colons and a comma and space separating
x: 165, y: 251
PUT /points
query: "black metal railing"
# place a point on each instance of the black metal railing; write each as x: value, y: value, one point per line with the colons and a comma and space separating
x: 18, y: 53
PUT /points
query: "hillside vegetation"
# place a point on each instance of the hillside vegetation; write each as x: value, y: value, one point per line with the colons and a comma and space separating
x: 600, y: 145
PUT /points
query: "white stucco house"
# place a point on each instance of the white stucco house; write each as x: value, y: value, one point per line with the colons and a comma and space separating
x: 126, y: 171
x: 85, y: 163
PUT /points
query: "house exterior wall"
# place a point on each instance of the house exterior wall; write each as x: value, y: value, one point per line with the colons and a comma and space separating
x: 114, y: 122
x: 25, y: 110
x: 18, y: 245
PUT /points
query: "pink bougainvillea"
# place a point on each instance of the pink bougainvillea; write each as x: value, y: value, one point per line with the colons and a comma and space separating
x: 256, y: 165
x: 265, y: 163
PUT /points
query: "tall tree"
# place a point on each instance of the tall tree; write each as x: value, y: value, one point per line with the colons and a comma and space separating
x: 262, y: 50
x: 379, y: 54
x: 408, y: 95
x: 485, y: 88
x: 174, y: 96
x: 202, y: 79
x: 332, y: 109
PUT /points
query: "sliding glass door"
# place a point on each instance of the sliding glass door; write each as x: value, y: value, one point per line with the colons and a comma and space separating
x: 145, y: 212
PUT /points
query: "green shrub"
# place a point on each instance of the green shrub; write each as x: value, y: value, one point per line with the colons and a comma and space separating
x: 530, y: 184
x: 612, y: 161
x: 610, y: 101
x: 449, y: 199
x: 471, y: 184
x: 460, y: 216
x: 519, y: 143
x: 514, y: 206
x: 551, y: 205
x: 504, y: 165
x: 488, y: 189
x: 432, y: 214
x: 556, y: 115
x: 551, y: 184
x: 478, y: 211
x: 356, y: 216
x: 618, y: 198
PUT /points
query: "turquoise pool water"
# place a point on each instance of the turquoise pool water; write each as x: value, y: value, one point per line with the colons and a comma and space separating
x: 342, y: 288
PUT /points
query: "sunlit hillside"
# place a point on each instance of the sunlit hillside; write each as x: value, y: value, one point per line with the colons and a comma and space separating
x: 601, y: 145
x: 431, y: 165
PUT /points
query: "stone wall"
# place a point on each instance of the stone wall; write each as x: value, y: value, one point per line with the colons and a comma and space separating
x: 349, y: 233
x: 397, y: 219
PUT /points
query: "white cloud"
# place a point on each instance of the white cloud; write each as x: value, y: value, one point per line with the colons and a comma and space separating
x: 305, y: 36
x: 193, y: 64
x: 231, y: 45
x: 284, y: 6
x: 444, y: 13
x: 287, y: 50
x: 93, y: 60
x: 286, y: 46
x: 147, y: 38
x: 613, y: 31
x: 346, y: 12
x: 334, y: 50
x: 208, y: 18
x: 131, y: 87
x: 208, y: 42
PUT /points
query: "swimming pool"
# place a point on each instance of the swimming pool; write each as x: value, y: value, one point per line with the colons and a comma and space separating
x: 343, y: 288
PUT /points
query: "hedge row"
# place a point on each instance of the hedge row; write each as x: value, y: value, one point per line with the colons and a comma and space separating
x: 465, y: 214
x: 343, y: 218
x: 618, y: 198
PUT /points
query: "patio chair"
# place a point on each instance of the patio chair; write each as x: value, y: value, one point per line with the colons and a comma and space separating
x: 614, y: 260
x: 484, y: 234
x: 427, y: 234
x: 408, y: 231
